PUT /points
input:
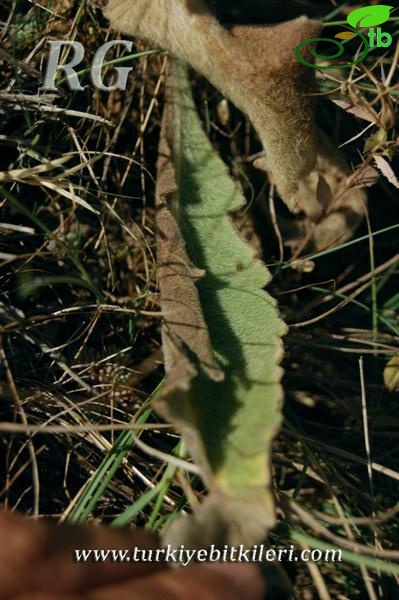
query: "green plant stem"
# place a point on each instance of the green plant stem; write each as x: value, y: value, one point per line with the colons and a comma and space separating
x: 98, y: 483
x: 361, y: 305
x: 157, y: 492
x: 346, y: 245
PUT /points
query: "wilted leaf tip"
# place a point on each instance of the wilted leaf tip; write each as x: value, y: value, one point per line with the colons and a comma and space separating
x: 255, y: 67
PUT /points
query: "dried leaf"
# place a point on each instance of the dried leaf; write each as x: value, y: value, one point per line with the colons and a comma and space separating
x: 184, y: 327
x: 391, y: 374
x: 331, y: 200
x: 255, y: 67
x: 357, y: 111
x: 227, y: 425
x: 386, y: 169
x: 388, y: 112
x: 364, y: 176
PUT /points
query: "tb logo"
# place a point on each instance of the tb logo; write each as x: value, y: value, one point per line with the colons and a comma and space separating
x: 361, y: 18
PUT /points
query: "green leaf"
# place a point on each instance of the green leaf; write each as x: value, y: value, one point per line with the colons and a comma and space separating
x: 228, y: 425
x: 369, y: 16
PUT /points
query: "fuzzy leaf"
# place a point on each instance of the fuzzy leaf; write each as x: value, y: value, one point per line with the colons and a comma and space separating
x: 227, y: 425
x: 369, y: 16
x: 255, y: 67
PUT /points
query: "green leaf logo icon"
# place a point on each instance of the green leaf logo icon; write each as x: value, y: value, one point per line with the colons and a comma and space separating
x: 369, y: 16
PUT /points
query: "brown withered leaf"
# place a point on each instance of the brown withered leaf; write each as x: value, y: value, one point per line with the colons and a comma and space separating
x: 338, y: 212
x: 357, y: 111
x: 184, y: 328
x: 255, y: 67
x: 331, y: 201
x: 383, y: 165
